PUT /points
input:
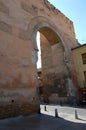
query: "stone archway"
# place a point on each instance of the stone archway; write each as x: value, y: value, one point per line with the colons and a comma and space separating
x: 55, y: 72
x: 19, y: 23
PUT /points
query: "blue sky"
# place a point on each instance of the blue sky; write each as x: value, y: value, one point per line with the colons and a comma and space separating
x: 75, y: 10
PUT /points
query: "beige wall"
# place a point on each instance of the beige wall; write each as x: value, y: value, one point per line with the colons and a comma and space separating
x: 79, y: 66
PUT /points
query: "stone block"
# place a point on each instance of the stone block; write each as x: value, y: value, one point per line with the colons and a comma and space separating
x: 4, y: 8
x: 24, y: 34
x: 29, y: 8
x: 5, y: 27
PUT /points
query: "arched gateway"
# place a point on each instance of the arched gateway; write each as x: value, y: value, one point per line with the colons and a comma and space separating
x: 55, y: 60
x: 19, y: 23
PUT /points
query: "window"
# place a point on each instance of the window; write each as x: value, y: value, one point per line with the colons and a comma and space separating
x: 85, y: 75
x: 84, y: 58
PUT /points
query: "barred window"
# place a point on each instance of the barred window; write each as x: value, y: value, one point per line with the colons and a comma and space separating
x: 84, y: 58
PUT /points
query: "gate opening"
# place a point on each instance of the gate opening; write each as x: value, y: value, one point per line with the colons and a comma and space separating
x: 52, y: 72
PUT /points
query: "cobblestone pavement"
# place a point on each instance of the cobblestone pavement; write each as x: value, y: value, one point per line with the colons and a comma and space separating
x: 65, y: 121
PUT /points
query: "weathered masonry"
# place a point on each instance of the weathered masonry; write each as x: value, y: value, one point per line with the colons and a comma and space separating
x: 20, y: 20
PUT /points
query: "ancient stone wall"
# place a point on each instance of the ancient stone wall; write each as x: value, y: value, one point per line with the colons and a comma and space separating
x: 19, y: 22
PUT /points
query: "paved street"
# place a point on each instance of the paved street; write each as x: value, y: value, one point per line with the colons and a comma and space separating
x: 65, y: 121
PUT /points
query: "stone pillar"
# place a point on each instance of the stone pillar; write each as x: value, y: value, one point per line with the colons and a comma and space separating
x: 34, y: 60
x: 71, y: 88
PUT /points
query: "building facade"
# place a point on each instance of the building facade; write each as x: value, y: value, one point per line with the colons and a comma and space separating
x: 79, y: 56
x: 20, y: 20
